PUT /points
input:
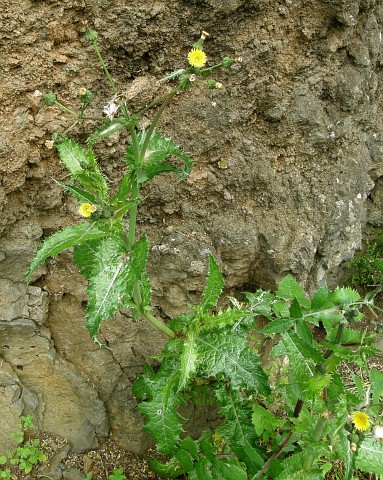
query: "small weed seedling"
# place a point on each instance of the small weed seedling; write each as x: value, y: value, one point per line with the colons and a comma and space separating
x: 25, y: 456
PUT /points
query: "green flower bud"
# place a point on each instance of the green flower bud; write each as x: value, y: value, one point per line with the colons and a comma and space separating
x: 49, y: 98
x: 184, y: 82
x: 86, y: 97
x: 213, y: 84
x: 90, y: 35
x: 227, y: 62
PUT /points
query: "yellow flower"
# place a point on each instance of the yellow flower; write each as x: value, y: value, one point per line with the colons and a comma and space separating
x: 361, y: 421
x: 197, y: 58
x: 86, y: 209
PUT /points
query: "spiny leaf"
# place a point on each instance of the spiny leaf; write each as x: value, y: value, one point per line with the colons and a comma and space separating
x: 344, y: 296
x: 160, y: 408
x: 82, y: 166
x: 113, y: 275
x: 158, y: 150
x: 227, y: 318
x: 189, y: 361
x: 369, y: 457
x: 299, y: 366
x: 289, y: 288
x: 66, y: 238
x: 79, y: 194
x: 106, y: 130
x: 229, y: 356
x: 237, y: 428
x: 214, y: 285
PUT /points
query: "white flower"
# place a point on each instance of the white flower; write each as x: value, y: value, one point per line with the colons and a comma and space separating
x: 111, y: 109
x: 378, y: 432
x: 37, y: 93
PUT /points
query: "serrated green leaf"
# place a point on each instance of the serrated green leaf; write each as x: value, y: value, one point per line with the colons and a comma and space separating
x: 203, y: 471
x: 344, y: 296
x: 82, y: 166
x: 106, y: 130
x: 158, y: 150
x: 299, y: 366
x: 369, y: 456
x: 377, y: 385
x: 207, y: 449
x: 280, y: 325
x: 66, y: 238
x: 79, y: 194
x: 113, y: 276
x: 226, y: 318
x: 185, y: 459
x: 229, y: 356
x: 320, y: 299
x: 264, y: 420
x: 171, y: 469
x: 189, y: 361
x: 281, y: 309
x: 214, y: 285
x: 262, y: 303
x: 230, y: 470
x: 317, y: 383
x: 289, y: 288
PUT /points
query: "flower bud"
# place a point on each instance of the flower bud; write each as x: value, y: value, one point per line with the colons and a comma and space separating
x: 238, y: 60
x: 86, y: 96
x: 353, y: 447
x: 184, y: 82
x: 90, y: 35
x: 227, y: 62
x: 204, y: 35
x: 213, y: 84
x: 49, y: 98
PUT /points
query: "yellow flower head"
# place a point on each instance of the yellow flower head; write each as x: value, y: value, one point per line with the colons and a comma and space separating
x: 86, y: 209
x: 361, y: 421
x: 197, y: 58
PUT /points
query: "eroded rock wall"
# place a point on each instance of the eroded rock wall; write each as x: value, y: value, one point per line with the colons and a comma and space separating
x: 287, y: 155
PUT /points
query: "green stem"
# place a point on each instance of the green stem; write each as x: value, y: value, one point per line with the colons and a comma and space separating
x: 66, y: 109
x: 110, y: 80
x: 309, y: 458
x: 158, y: 325
x: 155, y: 121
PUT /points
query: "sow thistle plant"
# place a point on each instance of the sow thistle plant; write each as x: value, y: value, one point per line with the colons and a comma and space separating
x: 284, y: 416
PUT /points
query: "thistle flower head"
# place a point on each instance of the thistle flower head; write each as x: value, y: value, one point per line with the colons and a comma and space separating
x: 360, y: 420
x: 86, y: 209
x: 197, y: 58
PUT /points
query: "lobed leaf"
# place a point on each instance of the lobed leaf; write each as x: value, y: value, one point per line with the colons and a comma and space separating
x: 106, y: 130
x: 229, y: 357
x: 290, y: 289
x: 66, y: 238
x: 189, y: 361
x: 158, y: 150
x: 369, y: 457
x: 83, y: 166
x: 112, y: 276
x: 213, y: 289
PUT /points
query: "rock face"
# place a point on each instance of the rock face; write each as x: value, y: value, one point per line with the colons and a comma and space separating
x: 287, y: 173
